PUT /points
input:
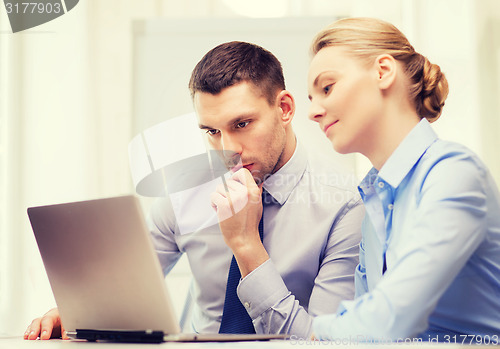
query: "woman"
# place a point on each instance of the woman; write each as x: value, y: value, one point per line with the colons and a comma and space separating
x: 430, y: 253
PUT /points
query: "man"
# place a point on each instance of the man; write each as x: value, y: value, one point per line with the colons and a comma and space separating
x: 304, y: 264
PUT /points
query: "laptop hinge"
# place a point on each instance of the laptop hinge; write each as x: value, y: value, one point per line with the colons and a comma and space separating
x: 147, y: 336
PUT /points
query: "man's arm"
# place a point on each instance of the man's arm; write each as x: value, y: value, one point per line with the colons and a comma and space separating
x: 262, y: 290
x: 360, y: 281
x: 272, y: 306
x: 239, y: 209
x: 161, y: 222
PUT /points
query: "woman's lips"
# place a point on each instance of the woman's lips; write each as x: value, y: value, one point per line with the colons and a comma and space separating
x: 327, y: 127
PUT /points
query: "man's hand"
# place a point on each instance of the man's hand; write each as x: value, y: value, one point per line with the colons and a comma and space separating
x: 46, y: 327
x: 239, y: 208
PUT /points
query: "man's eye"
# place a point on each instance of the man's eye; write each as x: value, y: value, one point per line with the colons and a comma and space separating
x: 242, y: 124
x: 212, y: 132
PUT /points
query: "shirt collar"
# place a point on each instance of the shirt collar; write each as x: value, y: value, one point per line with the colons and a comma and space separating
x: 406, y: 155
x: 281, y: 183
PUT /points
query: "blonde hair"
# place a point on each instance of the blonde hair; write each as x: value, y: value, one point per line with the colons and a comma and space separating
x: 367, y: 38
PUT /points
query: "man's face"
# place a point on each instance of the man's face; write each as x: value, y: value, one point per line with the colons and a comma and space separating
x: 240, y: 122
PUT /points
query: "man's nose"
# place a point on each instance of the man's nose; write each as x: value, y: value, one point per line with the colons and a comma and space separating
x: 231, y: 145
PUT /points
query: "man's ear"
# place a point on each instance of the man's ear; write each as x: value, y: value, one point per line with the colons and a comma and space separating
x: 386, y: 68
x: 286, y: 103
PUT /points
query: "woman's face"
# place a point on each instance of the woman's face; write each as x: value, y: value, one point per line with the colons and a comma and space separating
x: 345, y: 99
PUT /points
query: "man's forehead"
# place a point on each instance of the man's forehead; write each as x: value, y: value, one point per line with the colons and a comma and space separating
x: 228, y: 107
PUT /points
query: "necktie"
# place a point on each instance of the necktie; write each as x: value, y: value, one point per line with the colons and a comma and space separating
x: 235, y: 318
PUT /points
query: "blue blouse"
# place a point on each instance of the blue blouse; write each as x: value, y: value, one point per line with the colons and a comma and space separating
x: 433, y: 216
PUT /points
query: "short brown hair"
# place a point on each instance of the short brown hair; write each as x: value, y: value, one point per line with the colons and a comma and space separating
x: 234, y: 62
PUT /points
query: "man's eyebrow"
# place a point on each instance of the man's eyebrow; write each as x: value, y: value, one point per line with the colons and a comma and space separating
x: 233, y: 121
x: 204, y: 127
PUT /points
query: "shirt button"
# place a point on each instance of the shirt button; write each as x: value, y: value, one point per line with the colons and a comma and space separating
x: 380, y: 184
x: 390, y: 206
x: 247, y: 305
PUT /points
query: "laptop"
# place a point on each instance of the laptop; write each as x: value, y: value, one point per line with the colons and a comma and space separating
x: 105, y: 275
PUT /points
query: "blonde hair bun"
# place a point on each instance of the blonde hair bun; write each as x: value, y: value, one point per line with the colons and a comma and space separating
x: 434, y: 91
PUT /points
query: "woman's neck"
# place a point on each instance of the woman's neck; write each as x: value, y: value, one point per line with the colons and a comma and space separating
x: 392, y: 129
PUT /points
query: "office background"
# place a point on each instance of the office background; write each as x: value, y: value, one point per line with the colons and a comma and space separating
x: 68, y: 98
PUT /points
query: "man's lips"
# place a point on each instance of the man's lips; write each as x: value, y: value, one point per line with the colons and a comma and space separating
x: 239, y: 166
x: 325, y: 129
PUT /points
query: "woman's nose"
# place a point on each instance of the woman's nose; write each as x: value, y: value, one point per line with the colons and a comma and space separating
x: 316, y: 112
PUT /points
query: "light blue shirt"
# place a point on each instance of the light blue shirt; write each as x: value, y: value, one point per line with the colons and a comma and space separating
x: 312, y: 231
x: 434, y: 211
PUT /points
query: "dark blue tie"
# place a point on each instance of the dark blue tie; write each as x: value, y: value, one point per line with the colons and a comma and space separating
x: 384, y: 267
x: 235, y: 318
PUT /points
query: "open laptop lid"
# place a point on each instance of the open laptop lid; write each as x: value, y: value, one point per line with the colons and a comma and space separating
x: 102, y: 267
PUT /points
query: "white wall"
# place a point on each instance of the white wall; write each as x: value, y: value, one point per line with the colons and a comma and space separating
x: 67, y: 126
x: 487, y: 30
x: 47, y: 157
x: 66, y: 102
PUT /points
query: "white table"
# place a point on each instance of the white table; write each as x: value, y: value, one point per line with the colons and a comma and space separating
x: 20, y: 343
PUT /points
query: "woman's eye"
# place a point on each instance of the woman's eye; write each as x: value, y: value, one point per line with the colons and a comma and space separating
x: 327, y: 88
x: 212, y: 132
x: 242, y: 124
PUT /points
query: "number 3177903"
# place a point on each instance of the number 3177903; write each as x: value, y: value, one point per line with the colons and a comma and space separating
x: 33, y: 7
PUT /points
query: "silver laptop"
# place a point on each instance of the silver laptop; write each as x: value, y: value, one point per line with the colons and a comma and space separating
x: 105, y: 275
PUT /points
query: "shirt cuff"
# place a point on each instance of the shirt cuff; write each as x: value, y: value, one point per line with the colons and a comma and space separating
x: 262, y: 289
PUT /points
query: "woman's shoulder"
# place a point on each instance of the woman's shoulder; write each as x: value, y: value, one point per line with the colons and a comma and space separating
x: 448, y: 153
x: 451, y: 167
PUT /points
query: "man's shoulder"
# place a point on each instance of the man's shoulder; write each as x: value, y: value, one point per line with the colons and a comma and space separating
x: 161, y: 212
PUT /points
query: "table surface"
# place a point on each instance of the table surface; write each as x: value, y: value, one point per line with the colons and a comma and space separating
x: 20, y: 343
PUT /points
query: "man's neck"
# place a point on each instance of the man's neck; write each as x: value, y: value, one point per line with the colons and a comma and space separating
x: 288, y: 150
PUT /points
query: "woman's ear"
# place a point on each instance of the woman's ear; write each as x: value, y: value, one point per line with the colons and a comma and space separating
x: 286, y: 104
x: 386, y: 67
